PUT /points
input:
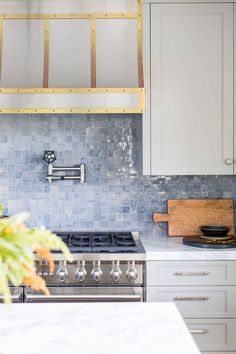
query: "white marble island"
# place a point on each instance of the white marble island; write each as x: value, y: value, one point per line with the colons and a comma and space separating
x: 98, y: 328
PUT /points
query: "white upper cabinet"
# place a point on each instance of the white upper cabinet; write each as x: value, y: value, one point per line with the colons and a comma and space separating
x: 191, y: 89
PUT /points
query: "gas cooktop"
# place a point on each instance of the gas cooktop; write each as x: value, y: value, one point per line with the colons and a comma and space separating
x: 97, y: 242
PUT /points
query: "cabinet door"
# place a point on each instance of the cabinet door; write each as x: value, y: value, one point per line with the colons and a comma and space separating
x: 191, y: 88
x: 191, y: 273
x: 214, y: 334
x: 197, y: 301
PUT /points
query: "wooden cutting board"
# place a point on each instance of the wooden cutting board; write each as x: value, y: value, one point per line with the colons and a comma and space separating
x: 185, y: 216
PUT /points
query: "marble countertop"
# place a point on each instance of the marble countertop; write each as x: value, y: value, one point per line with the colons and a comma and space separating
x: 98, y: 328
x: 160, y: 247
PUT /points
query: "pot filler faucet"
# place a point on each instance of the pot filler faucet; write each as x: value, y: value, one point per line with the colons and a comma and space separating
x: 49, y: 157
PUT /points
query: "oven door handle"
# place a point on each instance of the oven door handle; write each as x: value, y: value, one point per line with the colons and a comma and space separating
x: 82, y: 298
x: 14, y: 297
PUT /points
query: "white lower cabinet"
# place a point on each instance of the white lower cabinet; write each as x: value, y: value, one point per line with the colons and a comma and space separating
x: 213, y: 334
x: 198, y: 301
x: 205, y: 294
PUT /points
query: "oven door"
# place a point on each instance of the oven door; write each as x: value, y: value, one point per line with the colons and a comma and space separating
x: 16, y: 294
x: 86, y: 294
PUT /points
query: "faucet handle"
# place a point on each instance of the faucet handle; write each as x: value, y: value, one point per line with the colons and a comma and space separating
x: 49, y: 156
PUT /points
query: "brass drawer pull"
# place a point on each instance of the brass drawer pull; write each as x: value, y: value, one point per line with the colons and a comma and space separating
x: 199, y: 331
x: 190, y: 274
x: 191, y: 298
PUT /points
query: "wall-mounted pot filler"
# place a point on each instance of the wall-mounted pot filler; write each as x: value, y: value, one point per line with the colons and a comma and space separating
x: 49, y: 157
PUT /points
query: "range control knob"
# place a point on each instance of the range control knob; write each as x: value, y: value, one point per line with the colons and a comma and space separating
x: 40, y: 268
x: 132, y: 273
x: 81, y: 273
x: 45, y: 269
x: 62, y: 272
x: 96, y: 273
x: 116, y: 273
x: 47, y: 272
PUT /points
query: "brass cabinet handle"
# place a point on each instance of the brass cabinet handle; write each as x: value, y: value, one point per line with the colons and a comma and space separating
x: 199, y: 331
x: 190, y: 274
x: 191, y: 298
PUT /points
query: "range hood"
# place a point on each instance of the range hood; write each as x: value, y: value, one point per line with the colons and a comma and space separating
x: 71, y: 56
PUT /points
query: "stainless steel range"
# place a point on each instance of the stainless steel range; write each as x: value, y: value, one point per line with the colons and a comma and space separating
x: 107, y: 266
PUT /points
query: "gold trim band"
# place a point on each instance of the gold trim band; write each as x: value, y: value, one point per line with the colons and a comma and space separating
x: 140, y: 45
x: 68, y: 110
x: 93, y: 51
x: 1, y: 42
x: 46, y: 53
x: 138, y: 91
x: 70, y: 90
x: 142, y: 100
x: 70, y: 16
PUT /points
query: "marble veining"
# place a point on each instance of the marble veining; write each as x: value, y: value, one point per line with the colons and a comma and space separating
x: 103, y: 328
x: 164, y: 248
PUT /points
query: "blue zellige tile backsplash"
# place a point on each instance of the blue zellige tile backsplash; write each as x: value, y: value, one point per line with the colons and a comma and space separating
x: 115, y: 197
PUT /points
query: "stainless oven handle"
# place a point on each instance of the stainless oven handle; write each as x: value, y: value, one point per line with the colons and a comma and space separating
x: 82, y: 298
x: 14, y: 298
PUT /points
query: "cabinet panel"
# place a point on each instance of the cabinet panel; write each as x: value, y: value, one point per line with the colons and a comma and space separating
x: 214, y: 335
x: 191, y: 273
x: 69, y: 48
x: 117, y: 56
x: 197, y: 302
x: 22, y: 54
x: 191, y: 88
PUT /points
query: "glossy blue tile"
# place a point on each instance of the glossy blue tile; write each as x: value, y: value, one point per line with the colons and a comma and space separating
x: 116, y: 196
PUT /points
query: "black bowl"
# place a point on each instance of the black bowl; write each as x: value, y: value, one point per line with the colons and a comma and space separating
x: 214, y: 230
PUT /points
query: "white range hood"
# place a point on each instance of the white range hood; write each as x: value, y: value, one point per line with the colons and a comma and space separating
x: 65, y: 56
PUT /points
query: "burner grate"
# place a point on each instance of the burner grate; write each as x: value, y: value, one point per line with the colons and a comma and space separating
x: 114, y: 242
x: 110, y: 242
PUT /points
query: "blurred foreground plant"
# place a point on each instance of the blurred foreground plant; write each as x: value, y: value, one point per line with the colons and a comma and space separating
x: 18, y: 245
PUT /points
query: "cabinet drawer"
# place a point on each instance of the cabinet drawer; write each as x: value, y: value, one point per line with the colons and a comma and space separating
x: 213, y: 335
x: 199, y: 302
x: 191, y: 273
